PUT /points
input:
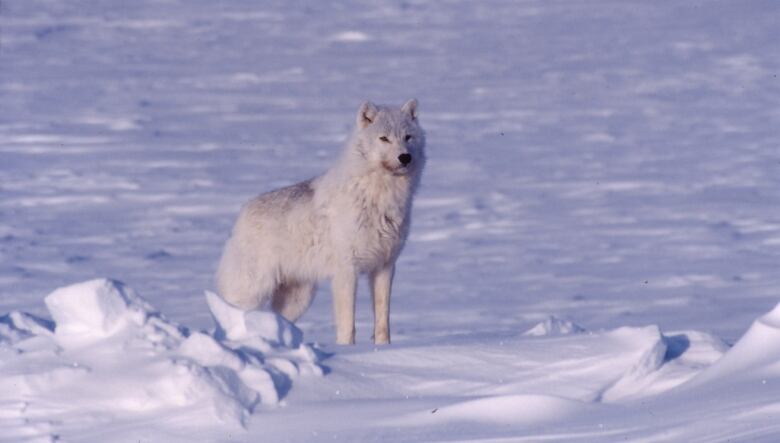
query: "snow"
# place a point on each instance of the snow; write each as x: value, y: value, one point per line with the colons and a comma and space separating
x: 95, y: 308
x: 507, y: 410
x: 593, y: 255
x: 755, y: 355
x: 237, y: 325
x: 553, y: 325
x: 109, y: 356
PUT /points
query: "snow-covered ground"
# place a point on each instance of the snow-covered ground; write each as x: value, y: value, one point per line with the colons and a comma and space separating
x: 603, y: 174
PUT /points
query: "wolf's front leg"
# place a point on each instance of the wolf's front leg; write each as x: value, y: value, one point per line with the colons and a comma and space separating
x: 344, y: 286
x: 381, y: 284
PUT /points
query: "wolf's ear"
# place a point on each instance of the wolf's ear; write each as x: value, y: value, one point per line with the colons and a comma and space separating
x: 366, y: 114
x: 410, y: 109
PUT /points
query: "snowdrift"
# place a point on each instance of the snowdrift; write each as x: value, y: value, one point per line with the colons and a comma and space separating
x: 108, y: 360
x: 755, y: 356
x: 560, y: 382
x: 108, y: 355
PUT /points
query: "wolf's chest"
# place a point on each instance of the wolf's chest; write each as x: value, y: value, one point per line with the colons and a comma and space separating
x: 369, y: 218
x: 378, y: 232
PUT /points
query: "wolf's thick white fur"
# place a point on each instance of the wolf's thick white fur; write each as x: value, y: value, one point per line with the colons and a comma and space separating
x: 352, y: 220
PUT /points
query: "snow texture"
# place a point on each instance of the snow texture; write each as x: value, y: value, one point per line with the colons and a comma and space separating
x: 553, y: 325
x: 611, y: 163
x: 109, y: 356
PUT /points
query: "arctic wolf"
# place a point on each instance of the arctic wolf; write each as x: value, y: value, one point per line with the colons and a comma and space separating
x: 352, y: 220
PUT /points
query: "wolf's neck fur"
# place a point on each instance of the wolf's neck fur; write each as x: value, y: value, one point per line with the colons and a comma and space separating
x: 374, y: 190
x: 374, y: 184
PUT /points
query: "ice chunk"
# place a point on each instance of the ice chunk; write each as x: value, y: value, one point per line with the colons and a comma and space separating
x: 237, y: 325
x: 229, y: 319
x: 552, y: 326
x: 117, y: 354
x: 208, y: 352
x: 273, y: 327
x: 97, y: 307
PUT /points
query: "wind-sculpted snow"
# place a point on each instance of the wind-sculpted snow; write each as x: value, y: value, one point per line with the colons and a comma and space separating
x: 553, y: 325
x: 109, y: 359
x: 755, y: 356
x: 625, y: 384
x: 110, y: 356
x: 17, y: 326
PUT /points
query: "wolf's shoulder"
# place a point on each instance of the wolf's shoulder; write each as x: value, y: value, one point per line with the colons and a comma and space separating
x: 282, y: 198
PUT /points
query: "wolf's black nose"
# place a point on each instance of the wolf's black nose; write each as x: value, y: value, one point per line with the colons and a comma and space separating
x: 405, y: 159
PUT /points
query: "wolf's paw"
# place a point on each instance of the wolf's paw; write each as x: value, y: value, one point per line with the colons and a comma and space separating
x: 381, y: 338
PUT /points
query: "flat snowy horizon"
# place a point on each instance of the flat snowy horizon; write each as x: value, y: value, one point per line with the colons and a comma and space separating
x: 595, y: 247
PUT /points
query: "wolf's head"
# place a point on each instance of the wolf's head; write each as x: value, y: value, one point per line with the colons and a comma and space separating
x: 390, y: 139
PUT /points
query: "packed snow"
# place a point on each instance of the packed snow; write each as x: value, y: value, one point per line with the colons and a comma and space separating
x: 594, y: 248
x: 110, y: 357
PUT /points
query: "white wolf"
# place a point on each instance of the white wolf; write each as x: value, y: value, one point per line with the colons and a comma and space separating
x: 352, y: 220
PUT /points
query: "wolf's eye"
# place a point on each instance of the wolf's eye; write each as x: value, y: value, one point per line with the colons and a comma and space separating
x: 384, y: 139
x: 408, y: 137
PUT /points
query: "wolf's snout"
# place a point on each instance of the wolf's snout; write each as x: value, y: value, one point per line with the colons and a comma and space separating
x: 405, y: 159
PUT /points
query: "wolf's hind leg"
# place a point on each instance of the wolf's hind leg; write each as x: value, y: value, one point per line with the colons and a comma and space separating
x: 291, y: 300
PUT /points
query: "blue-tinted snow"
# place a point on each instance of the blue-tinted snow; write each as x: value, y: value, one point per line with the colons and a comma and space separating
x: 614, y: 163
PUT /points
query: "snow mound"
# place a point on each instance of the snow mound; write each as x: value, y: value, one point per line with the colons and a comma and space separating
x: 650, y: 357
x: 525, y: 409
x: 16, y: 326
x: 553, y: 326
x: 117, y: 355
x: 95, y: 308
x: 237, y: 325
x: 755, y: 356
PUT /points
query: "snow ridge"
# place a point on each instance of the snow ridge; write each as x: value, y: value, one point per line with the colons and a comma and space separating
x: 119, y: 357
